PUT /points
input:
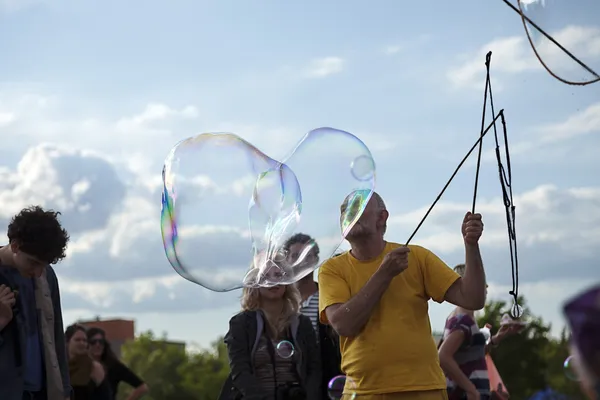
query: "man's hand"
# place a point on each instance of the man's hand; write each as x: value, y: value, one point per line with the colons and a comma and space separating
x: 507, y: 330
x: 395, y: 262
x: 7, y: 302
x: 473, y: 395
x: 472, y: 228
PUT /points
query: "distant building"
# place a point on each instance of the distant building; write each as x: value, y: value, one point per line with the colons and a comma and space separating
x: 120, y: 331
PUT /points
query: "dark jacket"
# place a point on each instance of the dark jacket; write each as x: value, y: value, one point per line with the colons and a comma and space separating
x: 242, y: 340
x: 13, y: 339
x: 331, y: 358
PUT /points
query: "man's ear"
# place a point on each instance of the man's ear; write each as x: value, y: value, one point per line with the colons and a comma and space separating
x: 14, y: 247
x: 385, y: 215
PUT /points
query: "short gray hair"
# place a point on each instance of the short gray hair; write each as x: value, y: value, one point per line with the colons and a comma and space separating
x: 460, y: 269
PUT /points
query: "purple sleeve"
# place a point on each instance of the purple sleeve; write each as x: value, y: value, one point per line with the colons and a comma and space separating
x: 461, y: 323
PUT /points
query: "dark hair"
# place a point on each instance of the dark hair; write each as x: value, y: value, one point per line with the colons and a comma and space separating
x: 301, y: 238
x: 460, y: 269
x: 38, y: 233
x: 72, y: 330
x: 108, y: 357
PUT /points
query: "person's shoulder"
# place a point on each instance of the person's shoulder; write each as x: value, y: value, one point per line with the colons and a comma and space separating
x: 303, y: 319
x: 422, y: 254
x: 460, y: 319
x: 242, y: 316
x: 334, y: 262
x: 50, y: 273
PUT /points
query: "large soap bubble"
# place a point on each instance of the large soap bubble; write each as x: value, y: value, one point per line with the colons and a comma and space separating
x: 227, y: 206
x: 575, y: 26
x: 329, y: 164
x: 209, y: 180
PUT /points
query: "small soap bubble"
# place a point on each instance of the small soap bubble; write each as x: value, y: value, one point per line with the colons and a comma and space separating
x: 285, y: 349
x: 570, y: 369
x: 516, y: 311
x: 363, y: 168
x: 341, y: 388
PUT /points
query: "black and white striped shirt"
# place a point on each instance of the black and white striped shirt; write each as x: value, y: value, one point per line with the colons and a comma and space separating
x: 310, y: 308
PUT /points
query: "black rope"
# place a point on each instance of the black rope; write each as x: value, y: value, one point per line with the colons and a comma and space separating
x: 505, y: 175
x: 526, y: 20
x: 485, y: 96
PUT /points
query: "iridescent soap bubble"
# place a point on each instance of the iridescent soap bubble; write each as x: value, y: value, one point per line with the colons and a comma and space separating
x: 215, y: 184
x: 363, y: 168
x: 285, y: 349
x: 209, y: 183
x: 329, y: 164
x: 341, y: 387
x: 570, y: 368
x: 570, y: 23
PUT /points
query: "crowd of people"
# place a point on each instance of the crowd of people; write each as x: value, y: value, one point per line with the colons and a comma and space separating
x: 366, y: 320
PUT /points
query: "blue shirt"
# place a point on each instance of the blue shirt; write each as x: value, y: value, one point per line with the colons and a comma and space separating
x: 34, y: 360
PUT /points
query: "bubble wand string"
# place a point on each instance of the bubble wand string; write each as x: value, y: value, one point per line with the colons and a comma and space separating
x: 526, y: 20
x: 505, y: 176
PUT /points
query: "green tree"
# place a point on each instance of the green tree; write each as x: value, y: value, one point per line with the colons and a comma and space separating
x: 207, y: 370
x: 532, y: 360
x: 171, y: 372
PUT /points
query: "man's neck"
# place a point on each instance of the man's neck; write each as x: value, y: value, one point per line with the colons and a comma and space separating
x: 307, y: 287
x: 368, y: 249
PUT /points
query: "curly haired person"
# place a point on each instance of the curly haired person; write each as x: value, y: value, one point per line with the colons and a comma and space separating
x: 33, y: 356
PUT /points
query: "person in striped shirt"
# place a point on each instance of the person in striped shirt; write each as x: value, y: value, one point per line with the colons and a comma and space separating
x: 328, y: 340
x: 462, y: 353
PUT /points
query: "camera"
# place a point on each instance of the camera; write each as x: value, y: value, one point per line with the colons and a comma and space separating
x: 291, y: 391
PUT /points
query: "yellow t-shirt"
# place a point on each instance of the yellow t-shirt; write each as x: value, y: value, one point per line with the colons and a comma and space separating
x: 395, y: 352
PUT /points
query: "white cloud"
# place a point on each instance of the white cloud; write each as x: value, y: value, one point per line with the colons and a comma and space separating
x: 513, y: 55
x: 6, y: 119
x: 36, y: 118
x: 543, y: 137
x: 323, y: 67
x: 539, y: 212
x: 11, y: 6
x: 408, y: 44
x: 153, y: 113
x: 81, y: 184
x: 391, y: 50
x: 581, y: 123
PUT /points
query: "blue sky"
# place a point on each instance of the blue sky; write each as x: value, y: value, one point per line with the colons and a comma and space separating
x: 92, y: 97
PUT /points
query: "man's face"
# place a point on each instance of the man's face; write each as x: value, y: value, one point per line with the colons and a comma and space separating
x: 370, y: 222
x: 302, y: 253
x: 27, y: 265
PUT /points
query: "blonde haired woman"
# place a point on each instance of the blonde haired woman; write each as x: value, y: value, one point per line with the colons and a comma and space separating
x: 273, y: 351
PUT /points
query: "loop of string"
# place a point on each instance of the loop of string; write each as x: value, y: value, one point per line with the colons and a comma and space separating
x: 505, y: 175
x: 527, y: 20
